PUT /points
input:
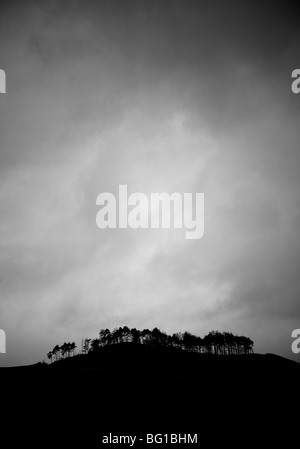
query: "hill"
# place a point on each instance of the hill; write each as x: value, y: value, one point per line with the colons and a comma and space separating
x: 130, y: 389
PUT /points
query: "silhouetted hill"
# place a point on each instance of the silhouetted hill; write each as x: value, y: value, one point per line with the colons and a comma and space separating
x: 137, y: 389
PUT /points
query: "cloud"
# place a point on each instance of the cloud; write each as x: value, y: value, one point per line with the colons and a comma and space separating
x: 161, y: 96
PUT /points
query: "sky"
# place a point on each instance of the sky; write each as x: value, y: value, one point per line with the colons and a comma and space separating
x: 163, y: 96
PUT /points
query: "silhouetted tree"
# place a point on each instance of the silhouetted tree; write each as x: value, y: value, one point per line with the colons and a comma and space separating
x: 117, y: 335
x: 86, y: 345
x: 157, y: 338
x: 56, y: 352
x: 135, y: 336
x: 146, y: 336
x: 176, y: 340
x: 63, y: 350
x: 72, y: 348
x: 50, y: 355
x: 95, y: 344
x: 104, y: 337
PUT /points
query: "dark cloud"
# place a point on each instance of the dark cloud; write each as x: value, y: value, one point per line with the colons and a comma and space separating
x: 163, y: 96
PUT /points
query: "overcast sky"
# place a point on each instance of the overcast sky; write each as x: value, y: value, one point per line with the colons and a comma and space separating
x: 174, y: 96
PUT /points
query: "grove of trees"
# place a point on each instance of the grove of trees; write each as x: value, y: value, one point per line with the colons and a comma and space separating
x: 61, y: 352
x: 219, y: 343
x: 213, y: 343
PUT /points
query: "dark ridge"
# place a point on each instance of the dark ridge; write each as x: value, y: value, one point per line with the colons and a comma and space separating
x: 135, y: 389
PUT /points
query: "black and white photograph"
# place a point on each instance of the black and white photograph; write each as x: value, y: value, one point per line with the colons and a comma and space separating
x: 149, y: 223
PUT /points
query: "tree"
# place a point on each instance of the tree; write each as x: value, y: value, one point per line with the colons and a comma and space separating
x: 146, y: 336
x: 95, y: 344
x: 104, y: 337
x: 72, y: 348
x: 63, y: 350
x: 135, y: 336
x: 125, y: 334
x: 86, y: 345
x: 56, y: 352
x: 176, y: 340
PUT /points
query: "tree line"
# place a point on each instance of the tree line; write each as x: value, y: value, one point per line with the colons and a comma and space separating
x: 61, y: 352
x: 220, y: 343
x: 213, y: 343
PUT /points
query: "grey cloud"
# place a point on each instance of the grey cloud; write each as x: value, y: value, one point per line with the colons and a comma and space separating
x: 175, y: 96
